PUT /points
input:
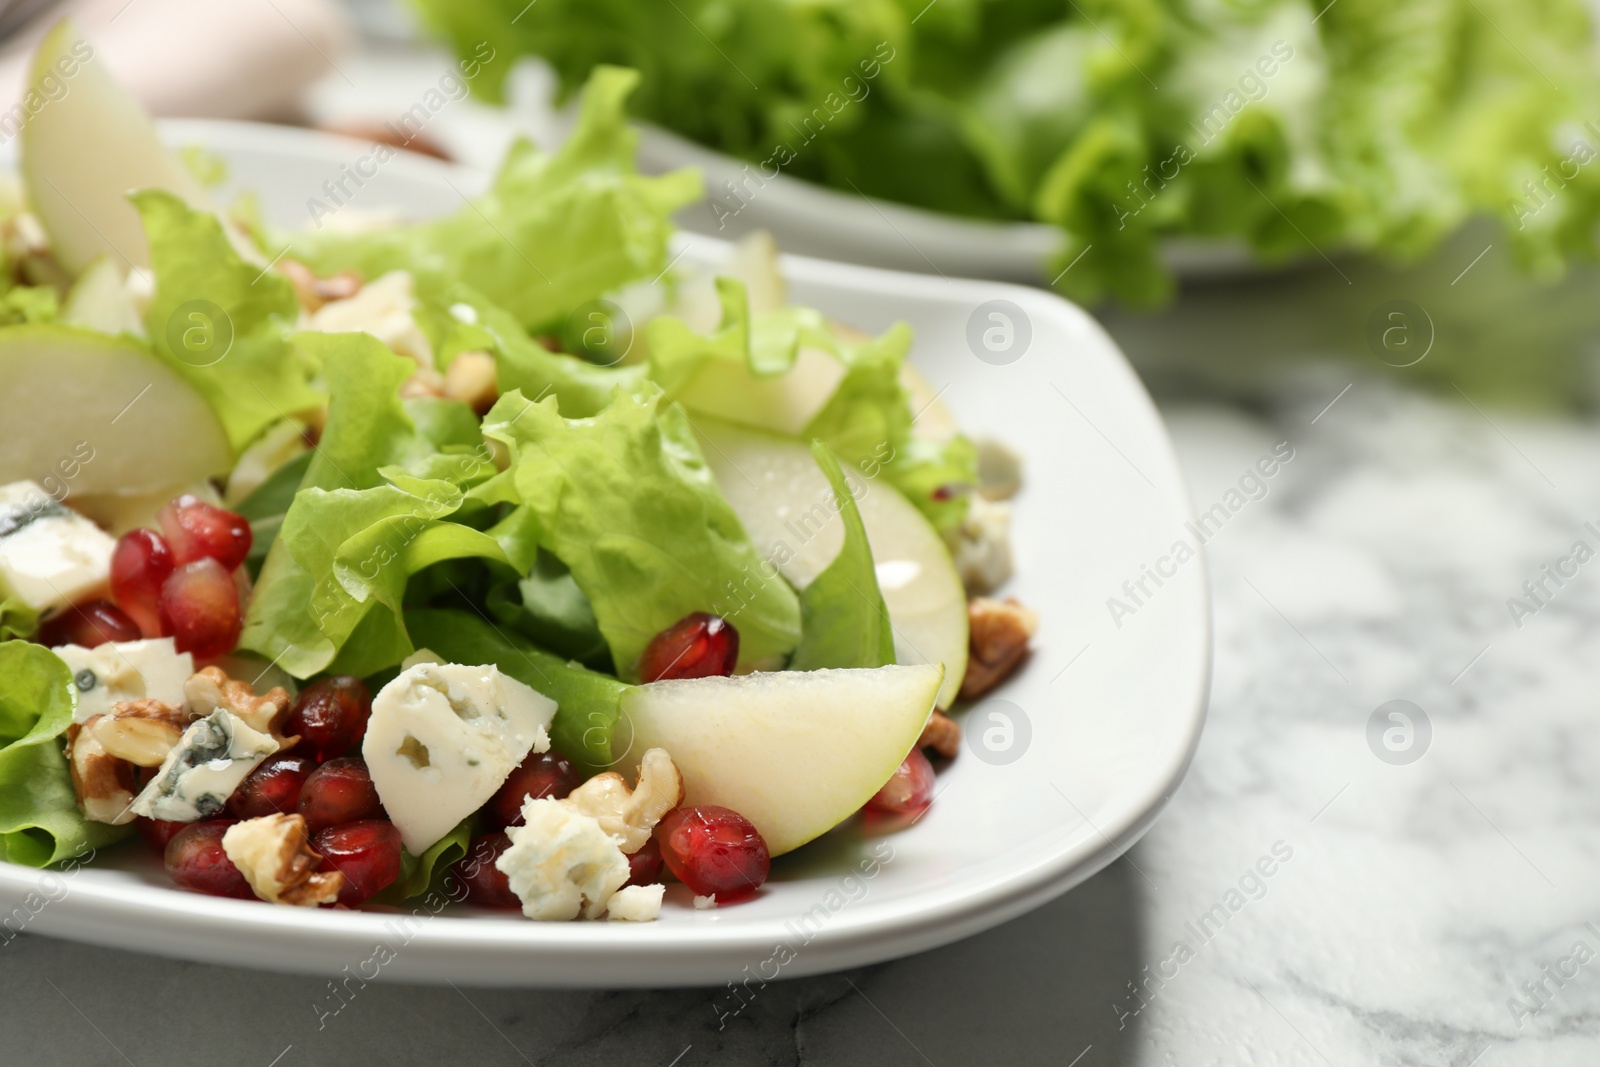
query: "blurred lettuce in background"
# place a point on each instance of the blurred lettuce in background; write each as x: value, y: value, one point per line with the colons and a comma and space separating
x: 1285, y: 125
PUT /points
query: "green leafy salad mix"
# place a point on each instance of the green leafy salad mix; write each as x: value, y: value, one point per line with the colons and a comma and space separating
x: 1280, y: 124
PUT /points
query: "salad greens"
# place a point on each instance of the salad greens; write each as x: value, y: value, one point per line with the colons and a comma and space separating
x: 846, y: 622
x: 1281, y: 124
x: 39, y: 819
x: 626, y: 501
x: 221, y: 322
x: 554, y: 230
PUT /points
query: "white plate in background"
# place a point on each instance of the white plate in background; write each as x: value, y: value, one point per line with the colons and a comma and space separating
x: 1104, y: 719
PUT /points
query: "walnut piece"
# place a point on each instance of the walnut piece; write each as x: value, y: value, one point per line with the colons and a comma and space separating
x: 274, y: 854
x: 312, y: 291
x: 942, y: 735
x: 630, y: 815
x: 140, y: 731
x: 210, y: 689
x: 471, y: 379
x: 1000, y: 632
x: 424, y: 382
x: 103, y: 783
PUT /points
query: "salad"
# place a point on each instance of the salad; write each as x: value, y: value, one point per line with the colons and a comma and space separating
x: 334, y: 562
x: 1286, y: 125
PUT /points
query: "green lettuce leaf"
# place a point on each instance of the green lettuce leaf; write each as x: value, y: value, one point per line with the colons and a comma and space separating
x: 556, y: 229
x: 373, y: 508
x: 17, y: 620
x: 845, y: 622
x: 626, y: 501
x: 588, y: 704
x: 417, y: 873
x: 222, y: 323
x: 39, y: 819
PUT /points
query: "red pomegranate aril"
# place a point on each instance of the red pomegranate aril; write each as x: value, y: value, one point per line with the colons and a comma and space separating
x: 90, y: 624
x: 140, y: 565
x: 330, y: 716
x: 200, y: 609
x: 714, y: 851
x: 367, y: 853
x: 196, y: 861
x: 908, y: 790
x: 487, y: 885
x: 340, y: 791
x: 197, y: 530
x: 644, y: 866
x: 696, y: 646
x: 273, y: 788
x: 542, y: 774
x: 158, y: 833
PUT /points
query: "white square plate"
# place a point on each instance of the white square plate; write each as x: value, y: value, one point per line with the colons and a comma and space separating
x: 1101, y: 723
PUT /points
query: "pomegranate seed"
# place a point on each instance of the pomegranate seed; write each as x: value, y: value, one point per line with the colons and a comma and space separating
x: 196, y: 861
x: 89, y: 625
x: 200, y: 609
x: 340, y: 791
x: 542, y: 774
x: 696, y: 646
x: 158, y: 832
x: 487, y: 884
x: 908, y: 790
x: 273, y: 788
x: 367, y: 853
x: 197, y: 530
x: 714, y: 851
x: 140, y: 566
x: 644, y: 866
x: 330, y: 716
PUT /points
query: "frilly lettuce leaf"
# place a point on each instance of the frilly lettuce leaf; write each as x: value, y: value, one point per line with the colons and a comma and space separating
x: 39, y: 819
x: 555, y: 229
x: 626, y: 501
x: 377, y: 504
x: 222, y: 323
x: 867, y: 420
x: 17, y: 620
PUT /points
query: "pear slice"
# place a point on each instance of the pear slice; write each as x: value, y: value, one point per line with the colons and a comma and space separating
x: 98, y: 414
x: 795, y: 752
x: 787, y: 508
x: 85, y: 149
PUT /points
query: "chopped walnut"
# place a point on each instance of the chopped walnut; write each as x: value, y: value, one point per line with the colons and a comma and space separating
x: 630, y: 815
x: 1000, y: 632
x: 140, y: 731
x: 942, y: 735
x: 425, y: 382
x: 275, y: 856
x: 471, y: 379
x: 210, y: 689
x: 103, y: 783
x: 312, y: 291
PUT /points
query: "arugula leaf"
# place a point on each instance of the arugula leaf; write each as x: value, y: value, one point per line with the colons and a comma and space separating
x: 845, y: 622
x: 40, y: 823
x: 220, y: 322
x: 626, y: 501
x: 588, y: 704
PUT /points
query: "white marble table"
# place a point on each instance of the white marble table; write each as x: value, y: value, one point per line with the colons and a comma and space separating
x: 1410, y: 907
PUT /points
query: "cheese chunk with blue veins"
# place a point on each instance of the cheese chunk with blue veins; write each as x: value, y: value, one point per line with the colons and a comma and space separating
x: 443, y: 737
x: 203, y: 769
x: 50, y: 556
x: 120, y: 671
